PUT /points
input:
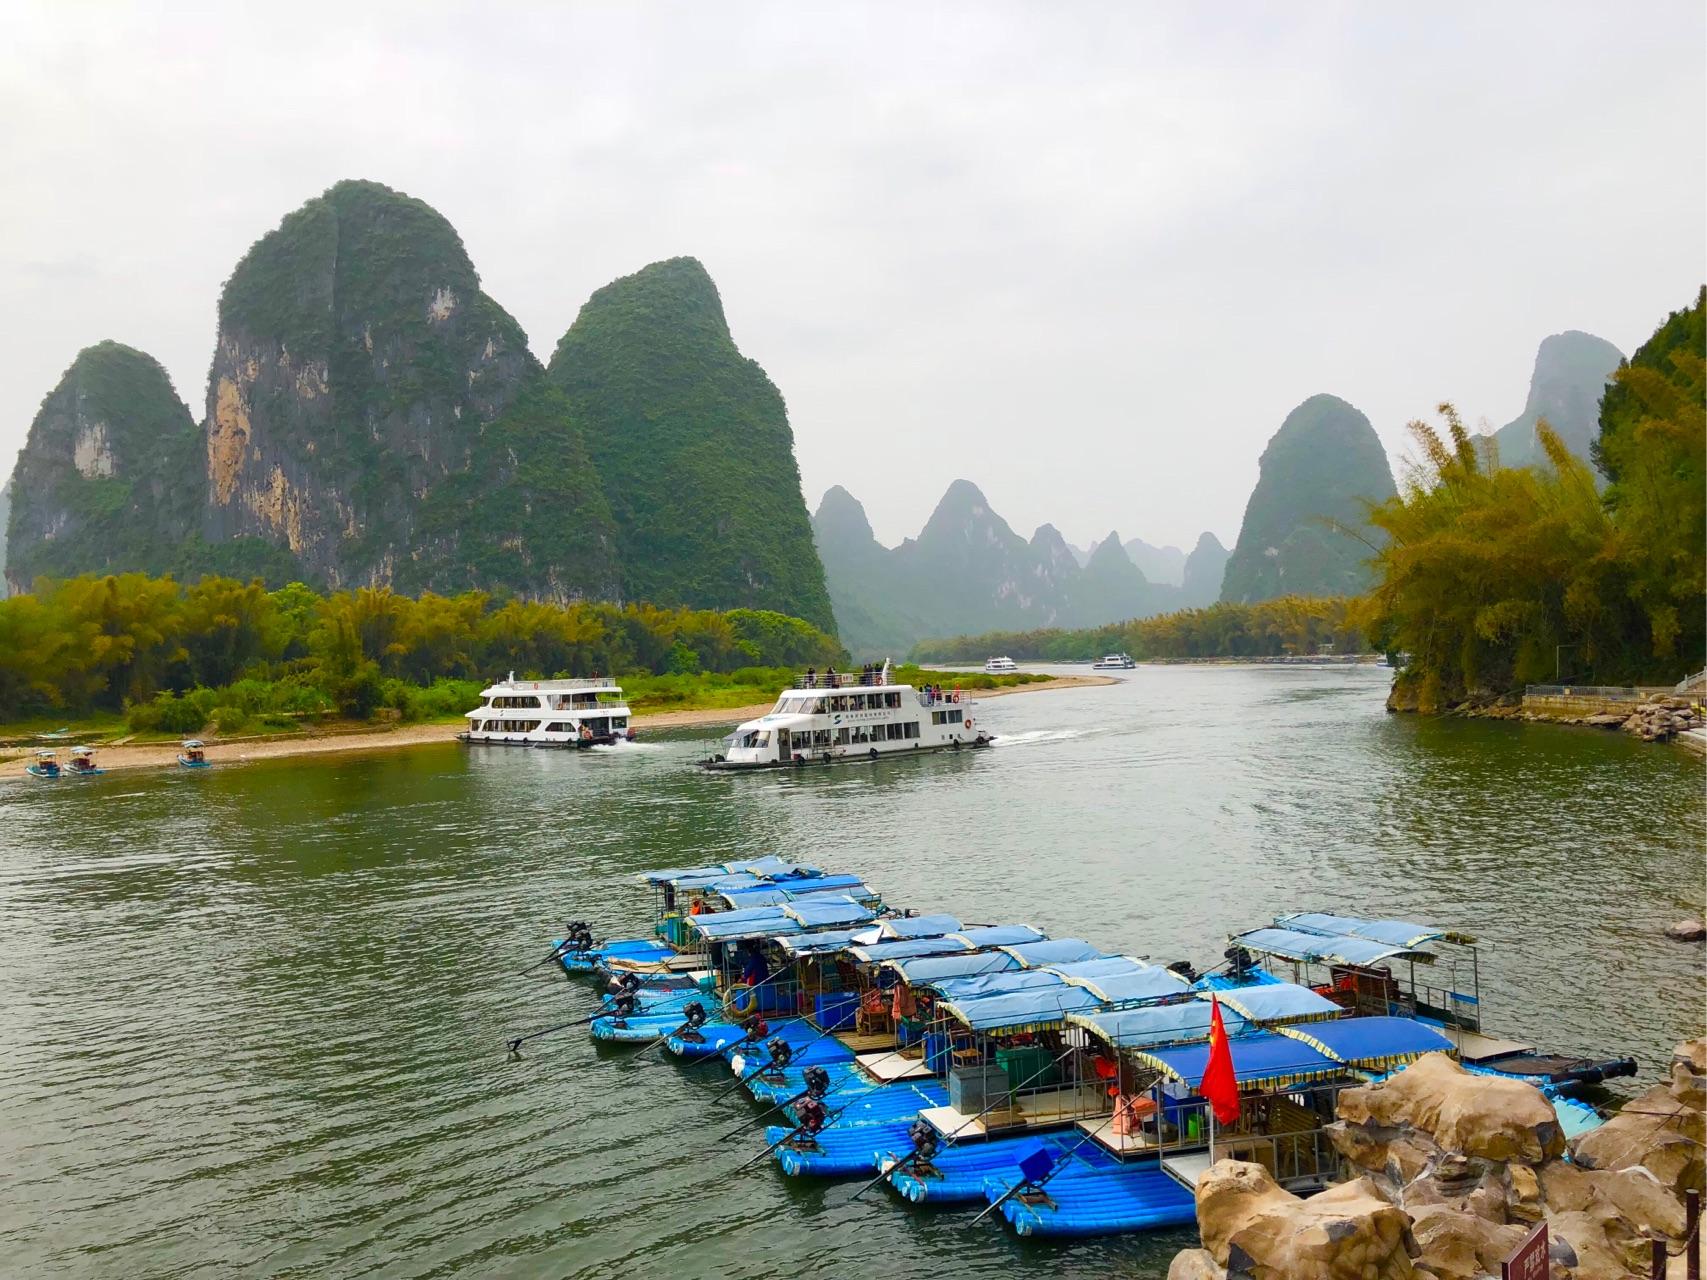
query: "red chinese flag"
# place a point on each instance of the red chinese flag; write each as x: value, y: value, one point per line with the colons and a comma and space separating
x: 1220, y: 1086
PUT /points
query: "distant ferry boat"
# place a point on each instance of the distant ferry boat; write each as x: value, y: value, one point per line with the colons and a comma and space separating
x: 826, y: 719
x: 999, y: 666
x: 1114, y: 662
x: 549, y: 713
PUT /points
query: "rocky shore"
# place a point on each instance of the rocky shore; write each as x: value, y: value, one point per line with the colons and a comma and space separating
x: 1452, y: 1172
x: 1656, y: 717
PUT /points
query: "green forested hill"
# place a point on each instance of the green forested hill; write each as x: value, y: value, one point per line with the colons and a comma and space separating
x: 111, y: 477
x: 1317, y: 471
x: 692, y: 444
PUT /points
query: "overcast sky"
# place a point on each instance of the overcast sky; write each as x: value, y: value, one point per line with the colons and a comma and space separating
x: 1085, y: 255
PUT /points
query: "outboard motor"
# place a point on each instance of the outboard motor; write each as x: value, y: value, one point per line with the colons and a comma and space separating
x: 817, y: 1082
x: 622, y: 1007
x: 1185, y: 969
x: 811, y: 1112
x: 925, y: 1140
x: 781, y: 1054
x: 625, y: 984
x: 1239, y: 961
x: 693, y: 1018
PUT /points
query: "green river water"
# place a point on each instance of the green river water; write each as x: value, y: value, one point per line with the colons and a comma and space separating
x: 252, y: 1019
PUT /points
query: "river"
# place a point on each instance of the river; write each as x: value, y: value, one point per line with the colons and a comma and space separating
x: 252, y: 1019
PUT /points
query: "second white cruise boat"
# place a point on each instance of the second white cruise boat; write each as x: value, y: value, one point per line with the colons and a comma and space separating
x: 828, y: 719
x: 550, y: 713
x: 1001, y: 666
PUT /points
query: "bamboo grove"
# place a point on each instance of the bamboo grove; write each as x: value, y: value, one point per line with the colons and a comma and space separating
x: 170, y: 655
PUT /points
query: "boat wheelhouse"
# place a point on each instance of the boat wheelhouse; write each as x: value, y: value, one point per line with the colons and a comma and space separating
x: 1114, y: 662
x: 45, y: 764
x: 82, y: 763
x: 192, y: 754
x: 550, y: 713
x: 1001, y: 666
x: 824, y: 719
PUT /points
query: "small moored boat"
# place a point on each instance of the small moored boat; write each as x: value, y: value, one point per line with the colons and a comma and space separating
x: 1001, y: 666
x: 1114, y: 662
x: 194, y: 755
x: 44, y: 765
x: 82, y: 763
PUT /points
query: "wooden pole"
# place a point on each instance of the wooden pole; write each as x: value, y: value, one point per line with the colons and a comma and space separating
x: 1692, y: 1236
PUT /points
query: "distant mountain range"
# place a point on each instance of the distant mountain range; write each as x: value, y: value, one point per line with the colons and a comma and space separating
x: 374, y: 418
x: 968, y: 571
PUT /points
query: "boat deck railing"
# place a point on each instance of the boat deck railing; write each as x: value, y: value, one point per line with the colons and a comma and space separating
x: 842, y: 679
x: 557, y: 686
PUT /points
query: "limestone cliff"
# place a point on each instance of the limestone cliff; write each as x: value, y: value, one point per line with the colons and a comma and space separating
x: 692, y: 443
x: 1313, y: 479
x: 363, y: 411
x: 99, y: 485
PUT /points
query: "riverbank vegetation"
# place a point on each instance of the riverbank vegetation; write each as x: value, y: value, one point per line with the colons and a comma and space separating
x: 234, y: 657
x: 1494, y: 577
x: 1269, y: 628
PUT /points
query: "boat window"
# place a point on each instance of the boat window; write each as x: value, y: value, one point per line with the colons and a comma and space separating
x: 841, y: 737
x: 912, y: 728
x: 954, y: 716
x: 892, y: 699
x: 619, y: 722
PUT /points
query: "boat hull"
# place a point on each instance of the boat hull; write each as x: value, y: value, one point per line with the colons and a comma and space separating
x: 909, y: 753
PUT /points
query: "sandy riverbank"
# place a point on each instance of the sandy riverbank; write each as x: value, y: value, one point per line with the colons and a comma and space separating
x: 157, y: 755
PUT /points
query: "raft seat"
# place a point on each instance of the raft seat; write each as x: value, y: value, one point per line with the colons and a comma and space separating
x: 1097, y: 1202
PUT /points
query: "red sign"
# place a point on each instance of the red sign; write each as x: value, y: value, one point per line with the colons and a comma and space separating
x: 1529, y: 1260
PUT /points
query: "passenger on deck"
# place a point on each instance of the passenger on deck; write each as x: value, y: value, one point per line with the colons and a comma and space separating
x: 753, y: 969
x: 811, y: 677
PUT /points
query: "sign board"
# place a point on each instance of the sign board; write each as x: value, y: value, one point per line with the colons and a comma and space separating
x: 1529, y: 1260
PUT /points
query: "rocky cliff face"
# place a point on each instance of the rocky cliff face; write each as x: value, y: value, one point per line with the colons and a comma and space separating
x: 1204, y: 569
x: 692, y: 443
x: 1570, y: 376
x: 359, y: 413
x: 100, y: 483
x: 1110, y: 587
x: 1316, y: 472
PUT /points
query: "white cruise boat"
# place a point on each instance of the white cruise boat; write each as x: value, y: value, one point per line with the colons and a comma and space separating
x: 1114, y: 662
x: 549, y: 713
x: 1000, y: 666
x: 825, y: 719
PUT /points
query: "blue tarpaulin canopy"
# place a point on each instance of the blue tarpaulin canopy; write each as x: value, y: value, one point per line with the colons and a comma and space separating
x: 769, y: 868
x: 1276, y: 1002
x: 917, y: 971
x: 1293, y: 944
x: 821, y: 940
x: 1372, y: 1043
x: 1122, y: 978
x: 761, y: 896
x: 1018, y: 1011
x: 977, y: 986
x: 902, y: 948
x: 1000, y: 935
x: 1395, y: 933
x: 1034, y: 955
x: 919, y: 926
x: 1156, y: 1024
x: 1265, y: 1058
x: 826, y: 910
x: 772, y: 866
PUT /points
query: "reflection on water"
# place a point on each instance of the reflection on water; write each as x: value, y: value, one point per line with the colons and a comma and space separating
x: 253, y: 1018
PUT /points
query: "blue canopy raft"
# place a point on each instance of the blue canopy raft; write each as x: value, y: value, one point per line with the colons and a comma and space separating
x: 1052, y: 1082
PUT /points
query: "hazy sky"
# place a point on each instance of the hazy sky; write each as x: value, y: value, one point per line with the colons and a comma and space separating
x: 1085, y: 255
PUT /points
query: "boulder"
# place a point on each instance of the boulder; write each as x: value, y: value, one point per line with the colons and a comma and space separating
x: 1634, y: 1192
x: 1659, y: 1131
x: 1687, y: 931
x: 1462, y: 1246
x: 1195, y: 1264
x: 1253, y: 1227
x: 1465, y: 1114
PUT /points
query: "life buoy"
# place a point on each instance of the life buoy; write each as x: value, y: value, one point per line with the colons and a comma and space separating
x: 743, y: 1000
x: 968, y: 722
